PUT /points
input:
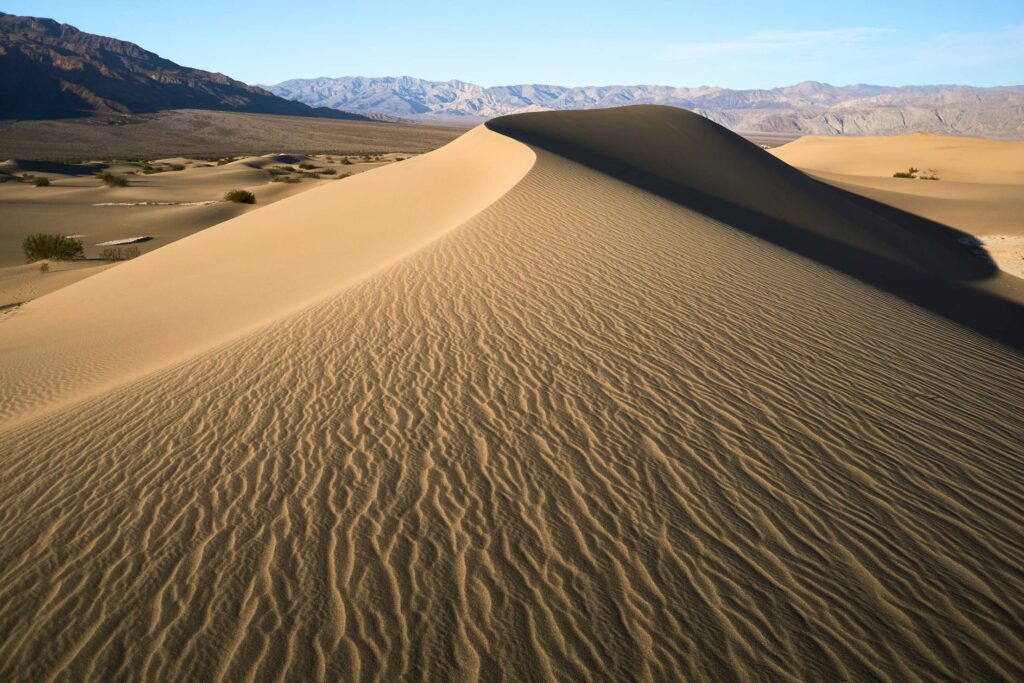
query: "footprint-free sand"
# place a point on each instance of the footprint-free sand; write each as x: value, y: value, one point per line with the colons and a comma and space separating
x: 602, y: 395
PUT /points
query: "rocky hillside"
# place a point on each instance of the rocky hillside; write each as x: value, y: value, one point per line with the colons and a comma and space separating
x: 51, y: 70
x: 805, y: 108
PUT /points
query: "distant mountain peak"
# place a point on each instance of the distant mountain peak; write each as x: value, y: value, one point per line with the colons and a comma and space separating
x: 54, y: 70
x: 808, y: 107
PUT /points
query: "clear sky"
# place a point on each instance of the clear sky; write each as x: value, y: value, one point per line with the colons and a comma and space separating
x: 683, y: 43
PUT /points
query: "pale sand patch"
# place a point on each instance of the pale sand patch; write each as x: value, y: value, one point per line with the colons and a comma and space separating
x: 1007, y: 251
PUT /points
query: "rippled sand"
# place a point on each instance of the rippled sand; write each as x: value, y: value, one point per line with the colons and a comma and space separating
x: 587, y: 434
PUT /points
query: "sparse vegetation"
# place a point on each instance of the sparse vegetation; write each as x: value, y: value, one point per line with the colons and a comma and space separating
x: 111, y: 180
x: 328, y: 171
x: 306, y: 166
x: 285, y: 179
x: 226, y: 160
x: 41, y: 182
x: 119, y: 253
x: 311, y: 174
x: 149, y: 169
x: 240, y: 197
x: 54, y: 247
x: 346, y: 161
x: 912, y: 173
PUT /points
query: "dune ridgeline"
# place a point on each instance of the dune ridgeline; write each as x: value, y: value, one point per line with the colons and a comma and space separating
x: 582, y: 395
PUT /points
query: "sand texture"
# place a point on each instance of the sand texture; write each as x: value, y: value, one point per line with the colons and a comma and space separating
x: 595, y: 424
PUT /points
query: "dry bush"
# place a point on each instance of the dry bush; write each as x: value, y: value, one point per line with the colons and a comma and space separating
x: 53, y: 247
x: 119, y: 253
x: 240, y: 197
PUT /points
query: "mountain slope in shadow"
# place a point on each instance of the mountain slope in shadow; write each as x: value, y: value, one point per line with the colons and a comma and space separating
x: 51, y: 70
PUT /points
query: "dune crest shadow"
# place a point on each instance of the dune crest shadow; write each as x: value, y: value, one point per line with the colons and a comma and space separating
x: 687, y: 159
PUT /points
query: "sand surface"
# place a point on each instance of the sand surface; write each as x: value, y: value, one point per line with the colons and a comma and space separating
x: 558, y: 425
x: 164, y: 206
x: 980, y: 188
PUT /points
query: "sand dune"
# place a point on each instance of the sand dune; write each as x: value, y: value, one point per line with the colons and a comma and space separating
x: 235, y: 276
x: 166, y: 206
x: 980, y: 188
x: 631, y: 415
x: 954, y: 159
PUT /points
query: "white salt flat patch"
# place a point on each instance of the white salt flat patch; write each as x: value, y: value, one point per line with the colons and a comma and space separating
x: 127, y: 240
x: 207, y: 203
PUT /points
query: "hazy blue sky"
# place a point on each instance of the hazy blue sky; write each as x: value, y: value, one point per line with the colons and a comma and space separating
x: 740, y: 45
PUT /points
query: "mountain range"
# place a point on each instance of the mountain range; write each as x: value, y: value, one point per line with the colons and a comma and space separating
x: 53, y: 70
x: 805, y: 108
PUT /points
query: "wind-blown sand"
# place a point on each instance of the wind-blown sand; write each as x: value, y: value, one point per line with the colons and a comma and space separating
x: 547, y: 403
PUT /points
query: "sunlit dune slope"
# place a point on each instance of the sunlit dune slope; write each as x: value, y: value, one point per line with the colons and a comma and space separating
x: 223, y: 281
x: 953, y: 159
x: 627, y: 421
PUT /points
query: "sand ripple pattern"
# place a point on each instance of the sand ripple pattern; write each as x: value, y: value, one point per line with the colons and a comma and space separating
x: 588, y: 436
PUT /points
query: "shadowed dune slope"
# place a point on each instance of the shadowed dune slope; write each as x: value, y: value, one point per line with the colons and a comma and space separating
x: 590, y: 434
x: 690, y: 160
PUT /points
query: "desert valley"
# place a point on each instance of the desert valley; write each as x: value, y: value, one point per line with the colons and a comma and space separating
x: 571, y: 393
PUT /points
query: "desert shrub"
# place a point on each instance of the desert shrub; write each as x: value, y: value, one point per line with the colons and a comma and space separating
x: 328, y: 171
x: 344, y: 175
x: 56, y: 247
x: 41, y: 182
x: 226, y: 160
x: 306, y: 166
x: 111, y: 180
x: 284, y: 179
x: 177, y: 167
x: 929, y: 177
x: 44, y: 267
x: 346, y: 161
x: 119, y: 253
x: 240, y: 197
x: 311, y: 174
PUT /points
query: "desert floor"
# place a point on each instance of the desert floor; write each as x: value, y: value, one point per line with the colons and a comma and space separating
x: 165, y: 205
x: 980, y: 186
x: 599, y: 395
x: 210, y: 133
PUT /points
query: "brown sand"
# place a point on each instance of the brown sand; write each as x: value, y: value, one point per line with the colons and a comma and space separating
x: 579, y: 431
